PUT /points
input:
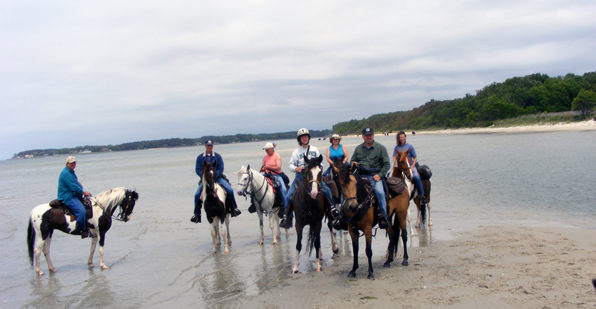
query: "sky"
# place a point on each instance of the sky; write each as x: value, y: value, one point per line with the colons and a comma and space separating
x: 76, y: 73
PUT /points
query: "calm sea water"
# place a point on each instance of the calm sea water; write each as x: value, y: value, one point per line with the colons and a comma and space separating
x: 160, y: 259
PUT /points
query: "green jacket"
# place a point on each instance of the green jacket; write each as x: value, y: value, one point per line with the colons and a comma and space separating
x: 375, y: 157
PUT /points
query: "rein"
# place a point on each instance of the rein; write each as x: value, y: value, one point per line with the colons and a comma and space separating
x: 253, y: 193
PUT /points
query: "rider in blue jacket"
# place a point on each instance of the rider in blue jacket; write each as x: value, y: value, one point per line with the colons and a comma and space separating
x: 210, y: 157
x: 70, y: 191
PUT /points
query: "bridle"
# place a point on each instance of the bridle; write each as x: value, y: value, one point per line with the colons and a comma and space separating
x: 124, y: 210
x: 252, y: 194
x: 368, y: 198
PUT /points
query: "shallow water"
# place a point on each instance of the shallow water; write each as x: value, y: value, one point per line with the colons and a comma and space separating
x: 160, y: 259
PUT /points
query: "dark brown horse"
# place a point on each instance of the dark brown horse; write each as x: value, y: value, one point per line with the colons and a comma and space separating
x: 214, y: 201
x: 309, y: 209
x: 397, y: 212
x: 358, y: 208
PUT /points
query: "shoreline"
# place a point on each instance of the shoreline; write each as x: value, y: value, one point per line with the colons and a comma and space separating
x: 587, y: 125
x: 495, y: 266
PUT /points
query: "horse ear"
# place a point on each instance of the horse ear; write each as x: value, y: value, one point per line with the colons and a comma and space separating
x: 320, y: 159
x: 353, y: 168
x: 248, y: 168
x: 306, y: 160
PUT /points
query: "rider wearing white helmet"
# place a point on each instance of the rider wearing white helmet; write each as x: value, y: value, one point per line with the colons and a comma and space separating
x: 298, y: 166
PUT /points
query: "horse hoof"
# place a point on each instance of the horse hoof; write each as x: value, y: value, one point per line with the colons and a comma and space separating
x: 387, y: 265
x: 404, y: 263
x: 352, y: 275
x: 227, y: 251
x: 229, y: 243
x: 40, y: 273
x: 371, y: 277
x: 294, y: 271
x: 275, y: 243
x: 320, y: 269
x: 336, y: 251
x: 104, y: 267
x: 213, y: 251
x: 261, y: 243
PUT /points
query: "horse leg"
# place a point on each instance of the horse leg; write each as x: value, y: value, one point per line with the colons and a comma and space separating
x: 39, y: 244
x: 354, y: 235
x: 299, y: 229
x: 391, y: 248
x: 334, y: 246
x: 214, y: 234
x: 404, y: 237
x: 368, y: 236
x: 419, y: 217
x: 224, y: 233
x: 46, y: 253
x: 409, y: 218
x: 319, y: 253
x: 92, y: 249
x: 271, y: 219
x: 430, y: 221
x: 228, y: 229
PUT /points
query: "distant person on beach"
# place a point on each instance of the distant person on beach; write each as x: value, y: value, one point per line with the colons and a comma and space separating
x: 70, y: 192
x: 335, y: 151
x: 298, y: 166
x: 209, y: 156
x: 403, y: 146
x: 272, y: 165
x: 373, y: 163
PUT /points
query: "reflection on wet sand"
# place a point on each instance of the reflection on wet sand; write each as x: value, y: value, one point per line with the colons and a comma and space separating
x: 224, y: 284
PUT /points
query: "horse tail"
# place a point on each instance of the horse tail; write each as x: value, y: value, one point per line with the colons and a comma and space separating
x: 311, y: 239
x: 30, y: 240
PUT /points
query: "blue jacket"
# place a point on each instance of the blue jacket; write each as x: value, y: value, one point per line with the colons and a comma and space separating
x: 201, y: 164
x: 68, y: 186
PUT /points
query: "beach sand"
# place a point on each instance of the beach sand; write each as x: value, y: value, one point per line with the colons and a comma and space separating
x: 486, y: 267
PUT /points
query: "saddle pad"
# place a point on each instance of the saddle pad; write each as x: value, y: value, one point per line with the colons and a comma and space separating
x: 57, y: 216
x: 395, y: 185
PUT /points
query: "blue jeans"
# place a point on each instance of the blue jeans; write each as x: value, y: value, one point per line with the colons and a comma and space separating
x: 78, y: 210
x: 417, y: 182
x: 379, y: 193
x: 224, y: 184
x: 282, y: 187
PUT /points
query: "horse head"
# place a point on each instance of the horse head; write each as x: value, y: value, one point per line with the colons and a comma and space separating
x: 313, y: 175
x: 128, y: 204
x: 244, y: 180
x: 209, y: 176
x: 401, y: 165
x: 349, y: 186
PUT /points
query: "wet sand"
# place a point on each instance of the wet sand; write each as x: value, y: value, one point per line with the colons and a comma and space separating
x: 489, y: 266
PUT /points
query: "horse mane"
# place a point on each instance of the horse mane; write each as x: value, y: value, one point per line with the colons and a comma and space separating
x: 311, y: 164
x: 109, y: 200
x: 241, y: 171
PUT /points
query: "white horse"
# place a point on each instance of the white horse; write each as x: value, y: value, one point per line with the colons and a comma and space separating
x: 253, y: 184
x: 40, y: 230
x: 214, y: 202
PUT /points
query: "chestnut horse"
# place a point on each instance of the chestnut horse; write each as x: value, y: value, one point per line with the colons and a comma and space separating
x: 358, y: 208
x: 309, y: 209
x: 404, y: 170
x: 397, y: 212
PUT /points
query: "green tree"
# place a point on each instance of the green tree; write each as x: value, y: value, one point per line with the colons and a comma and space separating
x: 584, y: 102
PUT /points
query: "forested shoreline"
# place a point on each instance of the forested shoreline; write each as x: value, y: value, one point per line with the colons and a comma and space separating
x: 167, y: 143
x: 517, y: 96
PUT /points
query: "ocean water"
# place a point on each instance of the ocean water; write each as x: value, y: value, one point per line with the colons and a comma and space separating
x: 160, y: 259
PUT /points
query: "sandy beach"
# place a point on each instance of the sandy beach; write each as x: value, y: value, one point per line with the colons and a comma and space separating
x: 563, y: 126
x: 488, y: 266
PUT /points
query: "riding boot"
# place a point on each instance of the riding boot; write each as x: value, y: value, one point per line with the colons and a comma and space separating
x: 423, y: 200
x: 382, y: 220
x: 252, y: 208
x: 196, y: 218
x: 233, y: 207
x: 285, y: 222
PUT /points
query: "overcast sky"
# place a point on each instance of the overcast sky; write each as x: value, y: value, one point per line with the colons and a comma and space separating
x: 107, y: 72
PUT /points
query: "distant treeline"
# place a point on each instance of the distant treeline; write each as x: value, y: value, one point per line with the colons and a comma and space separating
x: 536, y: 93
x: 167, y: 143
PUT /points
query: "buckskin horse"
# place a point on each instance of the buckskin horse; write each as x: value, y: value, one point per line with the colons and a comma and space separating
x: 397, y: 212
x: 253, y: 184
x: 358, y: 207
x: 214, y: 203
x: 309, y: 209
x: 41, y: 229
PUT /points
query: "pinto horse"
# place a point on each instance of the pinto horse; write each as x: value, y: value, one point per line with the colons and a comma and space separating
x: 309, y: 209
x: 40, y: 229
x: 214, y: 202
x: 358, y: 207
x: 254, y: 184
x: 404, y: 170
x: 397, y: 212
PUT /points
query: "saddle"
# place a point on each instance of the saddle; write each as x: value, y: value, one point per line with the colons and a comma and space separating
x: 59, y: 210
x: 424, y: 171
x: 279, y: 198
x: 333, y: 187
x: 395, y: 186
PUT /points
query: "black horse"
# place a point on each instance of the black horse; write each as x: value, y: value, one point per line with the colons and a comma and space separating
x: 214, y: 202
x: 309, y: 209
